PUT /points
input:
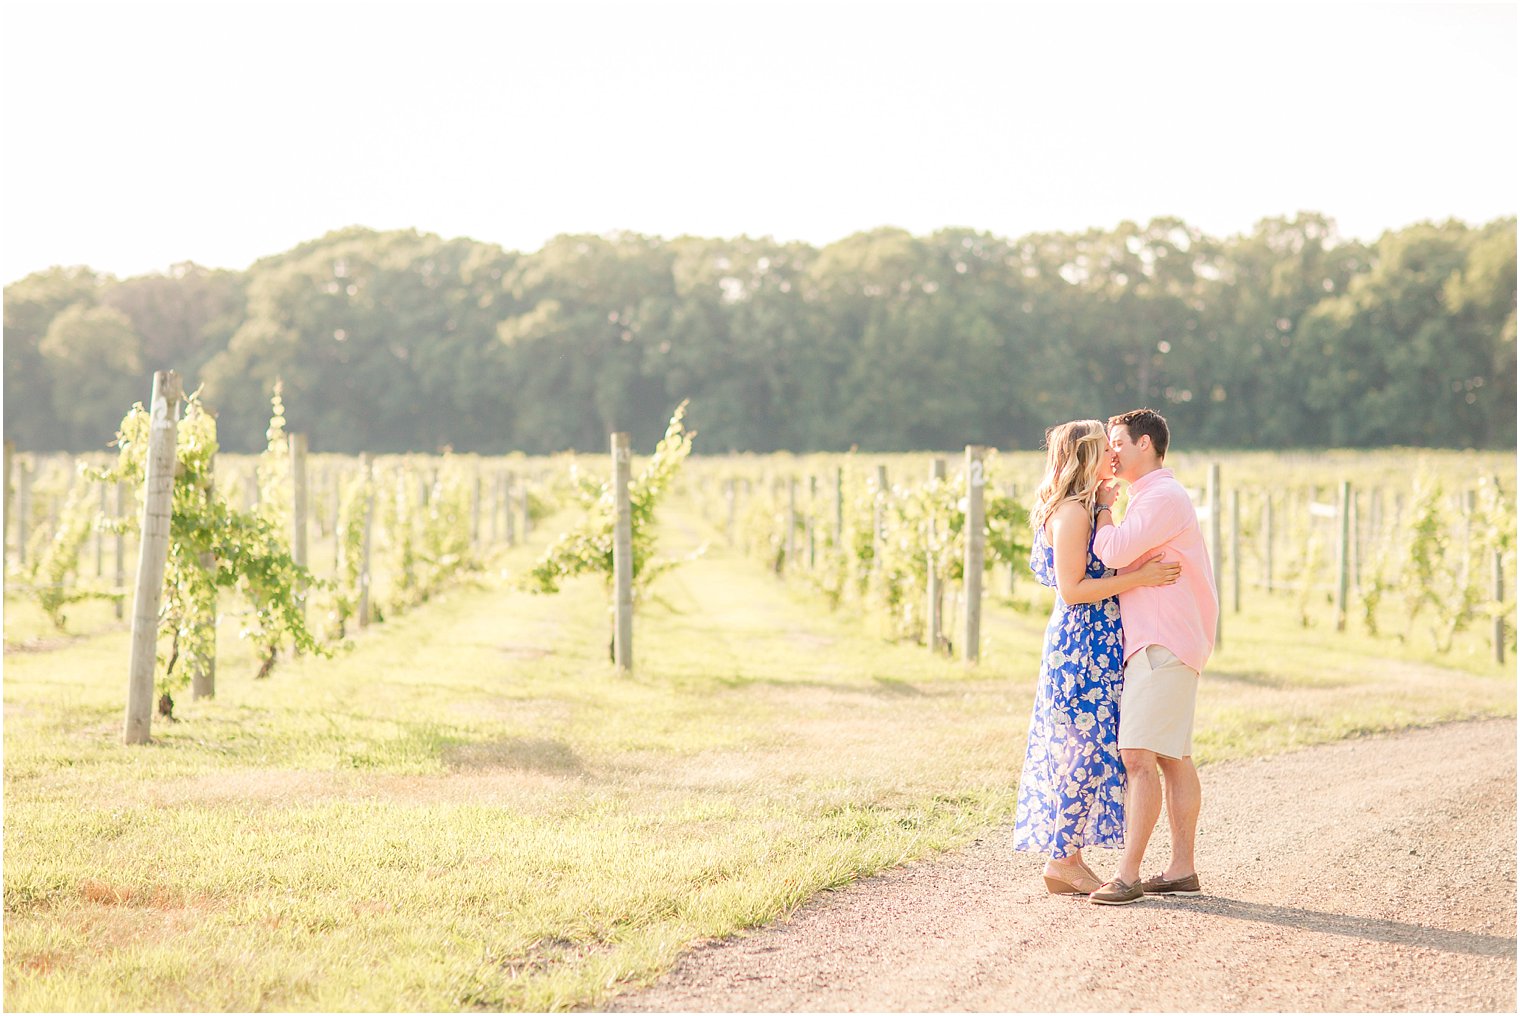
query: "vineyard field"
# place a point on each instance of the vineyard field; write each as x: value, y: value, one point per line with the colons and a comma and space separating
x: 466, y: 805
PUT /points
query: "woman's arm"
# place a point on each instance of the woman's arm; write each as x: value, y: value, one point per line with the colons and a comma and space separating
x: 1069, y: 528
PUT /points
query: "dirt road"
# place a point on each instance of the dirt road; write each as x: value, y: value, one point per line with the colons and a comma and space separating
x: 1371, y: 875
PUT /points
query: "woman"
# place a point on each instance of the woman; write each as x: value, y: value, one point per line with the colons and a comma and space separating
x: 1071, y: 793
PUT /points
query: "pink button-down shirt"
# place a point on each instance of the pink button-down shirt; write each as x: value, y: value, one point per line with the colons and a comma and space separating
x: 1180, y: 617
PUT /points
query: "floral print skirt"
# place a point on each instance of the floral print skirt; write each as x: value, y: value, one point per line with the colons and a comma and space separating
x: 1071, y: 792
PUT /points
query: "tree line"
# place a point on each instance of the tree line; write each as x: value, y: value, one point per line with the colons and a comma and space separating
x: 396, y: 341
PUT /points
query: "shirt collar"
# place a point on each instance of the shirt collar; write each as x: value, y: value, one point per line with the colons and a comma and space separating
x: 1150, y: 479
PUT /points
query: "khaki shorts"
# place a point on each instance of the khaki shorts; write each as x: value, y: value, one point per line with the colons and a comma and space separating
x: 1156, y: 707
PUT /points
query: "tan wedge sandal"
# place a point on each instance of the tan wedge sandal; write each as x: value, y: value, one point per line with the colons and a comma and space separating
x: 1072, y: 882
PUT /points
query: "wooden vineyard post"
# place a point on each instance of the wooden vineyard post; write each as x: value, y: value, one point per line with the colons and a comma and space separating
x: 23, y: 507
x: 120, y: 585
x: 1235, y: 549
x: 1469, y: 503
x: 976, y: 548
x: 878, y: 517
x: 298, y: 501
x: 506, y: 492
x: 791, y: 520
x: 935, y: 614
x: 1343, y: 553
x: 100, y: 537
x: 203, y: 680
x: 1216, y: 551
x: 731, y: 495
x: 622, y: 554
x: 812, y: 516
x: 337, y: 518
x: 475, y: 513
x: 839, y: 507
x: 1266, y: 539
x: 10, y: 453
x: 1013, y: 568
x: 494, y: 525
x: 527, y: 515
x: 152, y: 556
x: 1498, y: 606
x: 367, y: 468
x: 298, y: 498
x: 1356, y: 541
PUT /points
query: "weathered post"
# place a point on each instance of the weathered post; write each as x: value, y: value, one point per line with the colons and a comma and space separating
x: 622, y: 554
x: 506, y: 492
x: 100, y: 537
x: 337, y: 522
x: 1469, y: 502
x: 976, y: 536
x: 934, y: 617
x: 298, y: 499
x: 367, y: 470
x: 10, y: 451
x: 493, y: 525
x: 1013, y: 567
x: 23, y: 507
x: 878, y: 517
x: 527, y: 513
x: 1498, y: 606
x: 475, y: 513
x: 153, y: 555
x: 203, y: 680
x: 812, y: 516
x: 1216, y: 550
x: 731, y: 495
x: 1235, y: 548
x: 839, y: 507
x: 791, y: 520
x: 1266, y: 538
x: 120, y: 585
x: 1343, y: 567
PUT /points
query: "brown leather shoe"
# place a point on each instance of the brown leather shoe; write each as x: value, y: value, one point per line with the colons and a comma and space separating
x: 1159, y: 885
x: 1117, y: 892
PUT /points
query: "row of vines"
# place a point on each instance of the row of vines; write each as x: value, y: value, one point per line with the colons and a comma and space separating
x: 390, y: 531
x: 1431, y: 547
x: 1431, y: 550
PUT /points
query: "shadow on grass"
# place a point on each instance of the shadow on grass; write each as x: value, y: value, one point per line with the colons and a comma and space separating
x: 1369, y: 928
x: 884, y: 687
x: 537, y: 754
x: 1263, y: 679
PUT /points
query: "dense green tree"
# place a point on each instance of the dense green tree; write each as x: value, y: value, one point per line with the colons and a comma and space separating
x: 31, y: 304
x: 1287, y: 336
x: 92, y: 359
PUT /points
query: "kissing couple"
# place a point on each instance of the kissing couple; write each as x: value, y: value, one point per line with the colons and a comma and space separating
x: 1132, y: 627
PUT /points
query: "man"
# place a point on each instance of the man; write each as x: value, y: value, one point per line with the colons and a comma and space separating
x: 1168, y: 636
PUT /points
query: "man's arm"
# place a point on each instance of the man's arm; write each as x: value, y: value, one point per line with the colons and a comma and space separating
x: 1149, y: 523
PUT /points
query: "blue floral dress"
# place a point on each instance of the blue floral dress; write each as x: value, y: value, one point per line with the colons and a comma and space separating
x: 1071, y: 793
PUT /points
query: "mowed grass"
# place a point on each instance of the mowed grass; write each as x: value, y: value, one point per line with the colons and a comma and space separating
x: 472, y: 810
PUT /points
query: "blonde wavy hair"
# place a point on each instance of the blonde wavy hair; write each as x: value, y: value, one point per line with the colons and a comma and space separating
x: 1073, y: 453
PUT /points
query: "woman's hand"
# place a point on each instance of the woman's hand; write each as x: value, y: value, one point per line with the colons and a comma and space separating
x: 1108, y: 493
x: 1155, y: 572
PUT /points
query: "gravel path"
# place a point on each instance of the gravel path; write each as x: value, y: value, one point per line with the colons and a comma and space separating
x: 1375, y: 874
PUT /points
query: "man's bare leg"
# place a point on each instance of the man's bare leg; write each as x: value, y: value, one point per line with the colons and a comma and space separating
x: 1184, y: 797
x: 1142, y: 808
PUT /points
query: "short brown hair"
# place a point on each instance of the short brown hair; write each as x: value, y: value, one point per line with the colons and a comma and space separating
x: 1145, y: 423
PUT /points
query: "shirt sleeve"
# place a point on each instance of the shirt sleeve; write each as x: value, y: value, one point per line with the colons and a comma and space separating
x: 1149, y: 522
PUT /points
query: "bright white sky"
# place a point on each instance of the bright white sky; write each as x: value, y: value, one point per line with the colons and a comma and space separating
x: 141, y: 134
